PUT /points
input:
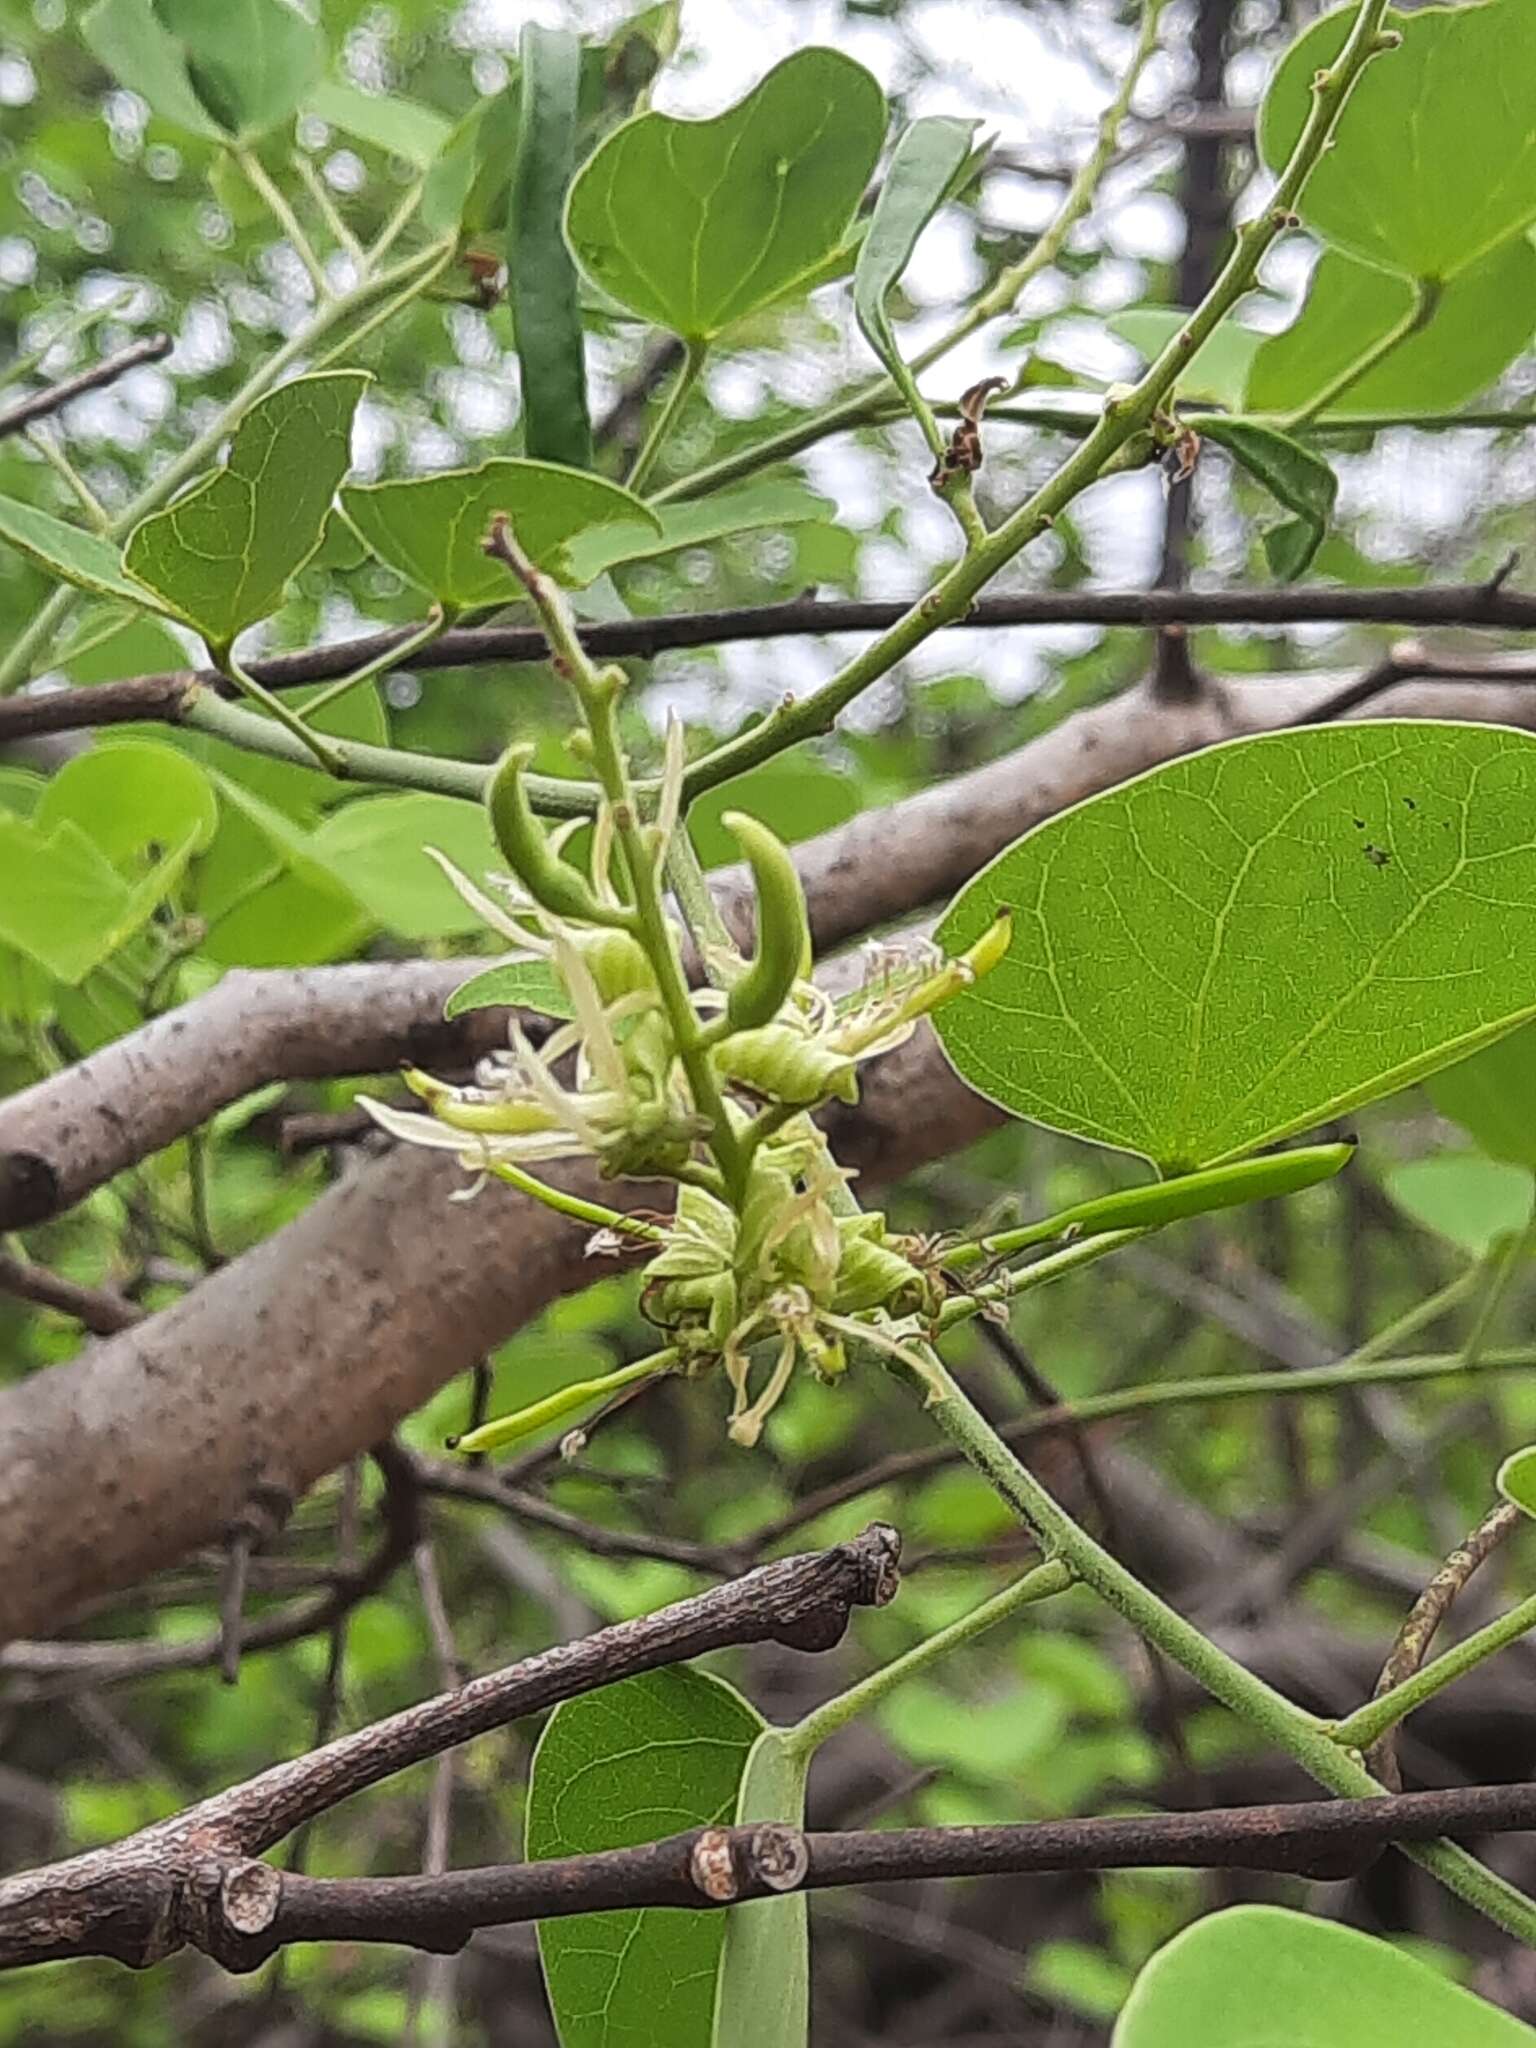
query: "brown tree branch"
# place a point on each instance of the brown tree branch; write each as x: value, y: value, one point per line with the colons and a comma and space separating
x: 191, y: 1879
x: 161, y: 696
x: 152, y: 349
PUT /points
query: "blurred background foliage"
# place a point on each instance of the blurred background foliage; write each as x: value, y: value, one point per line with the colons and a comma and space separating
x: 114, y: 224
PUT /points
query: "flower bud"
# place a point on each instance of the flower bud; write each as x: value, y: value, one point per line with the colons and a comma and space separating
x: 783, y: 954
x: 550, y: 881
x: 784, y: 1065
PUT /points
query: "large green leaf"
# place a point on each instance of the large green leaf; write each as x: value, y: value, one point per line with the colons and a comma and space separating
x: 696, y: 224
x: 128, y: 37
x: 1262, y: 1977
x: 1216, y: 371
x: 763, y: 1990
x: 541, y: 278
x: 1484, y: 319
x: 250, y: 62
x: 79, y: 557
x: 925, y: 165
x: 221, y: 556
x: 433, y: 528
x: 268, y: 899
x: 404, y: 127
x: 64, y: 905
x: 1300, y: 479
x: 1434, y: 162
x: 1240, y: 945
x: 134, y: 798
x: 376, y: 847
x: 1493, y: 1095
x: 635, y: 1761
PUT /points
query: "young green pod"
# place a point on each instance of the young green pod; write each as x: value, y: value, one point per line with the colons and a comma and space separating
x: 784, y: 1065
x: 783, y: 954
x: 550, y: 880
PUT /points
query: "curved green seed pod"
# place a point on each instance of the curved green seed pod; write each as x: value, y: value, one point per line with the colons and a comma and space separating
x: 509, y: 1429
x: 549, y: 880
x: 784, y: 1065
x: 783, y: 954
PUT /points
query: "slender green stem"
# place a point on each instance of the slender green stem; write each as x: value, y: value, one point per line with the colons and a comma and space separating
x: 330, y: 213
x: 17, y: 664
x: 1421, y: 310
x: 382, y: 314
x: 1054, y: 1266
x: 666, y: 419
x: 575, y: 1206
x: 1300, y: 1734
x: 395, y: 657
x: 696, y: 899
x: 1370, y: 1722
x: 1508, y: 1263
x: 320, y: 750
x: 58, y: 461
x: 523, y: 1422
x: 277, y: 205
x: 1042, y: 1583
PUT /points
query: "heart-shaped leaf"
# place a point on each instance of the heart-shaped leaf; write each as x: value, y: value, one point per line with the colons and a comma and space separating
x: 925, y: 166
x: 696, y: 224
x: 541, y: 278
x: 1493, y: 1095
x: 1301, y: 480
x: 221, y: 557
x: 1429, y: 197
x: 64, y: 903
x: 1482, y: 320
x: 1262, y: 1977
x: 763, y: 1990
x: 1240, y: 945
x: 635, y: 1761
x: 376, y: 847
x: 433, y: 528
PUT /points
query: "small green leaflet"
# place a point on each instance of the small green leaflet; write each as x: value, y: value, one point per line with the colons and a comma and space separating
x: 1262, y: 1977
x: 638, y: 1760
x: 467, y: 187
x: 541, y: 278
x: 1242, y: 944
x: 696, y: 224
x: 432, y: 529
x: 78, y: 557
x: 404, y: 127
x: 222, y: 556
x: 515, y: 984
x: 1428, y: 198
x: 931, y: 158
x: 1301, y: 480
x: 374, y: 846
x: 763, y: 1991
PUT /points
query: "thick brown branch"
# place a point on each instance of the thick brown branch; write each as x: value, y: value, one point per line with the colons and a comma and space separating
x: 191, y: 1879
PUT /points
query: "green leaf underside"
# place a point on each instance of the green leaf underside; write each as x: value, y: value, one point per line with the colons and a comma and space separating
x: 69, y: 552
x: 696, y: 224
x: 1263, y: 1977
x: 1297, y: 477
x: 763, y: 1991
x: 221, y: 557
x: 931, y: 154
x: 1216, y: 371
x: 249, y: 62
x: 404, y: 127
x: 1484, y: 319
x: 432, y: 529
x: 1517, y: 1479
x: 1235, y: 947
x: 541, y: 278
x: 742, y: 509
x: 1493, y: 1096
x: 1434, y: 164
x: 1473, y: 1202
x: 633, y: 1762
x: 516, y: 984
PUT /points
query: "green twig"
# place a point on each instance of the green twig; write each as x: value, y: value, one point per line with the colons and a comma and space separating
x: 392, y: 658
x: 277, y: 205
x: 320, y: 750
x: 666, y: 419
x: 1369, y: 1723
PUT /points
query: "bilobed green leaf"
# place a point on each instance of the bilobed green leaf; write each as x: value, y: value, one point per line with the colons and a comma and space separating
x: 763, y: 1989
x: 516, y: 984
x: 1235, y: 947
x: 404, y: 127
x: 1217, y: 370
x: 1473, y: 1202
x: 1427, y: 197
x: 250, y: 62
x: 1262, y: 1977
x: 1483, y: 320
x: 638, y: 1760
x: 1517, y: 1479
x: 221, y: 557
x: 128, y: 37
x: 541, y: 278
x: 741, y: 509
x: 433, y: 528
x: 81, y: 558
x: 1298, y: 477
x: 64, y: 902
x: 696, y: 224
x: 1493, y: 1095
x: 931, y: 155
x: 134, y: 798
x: 375, y: 846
